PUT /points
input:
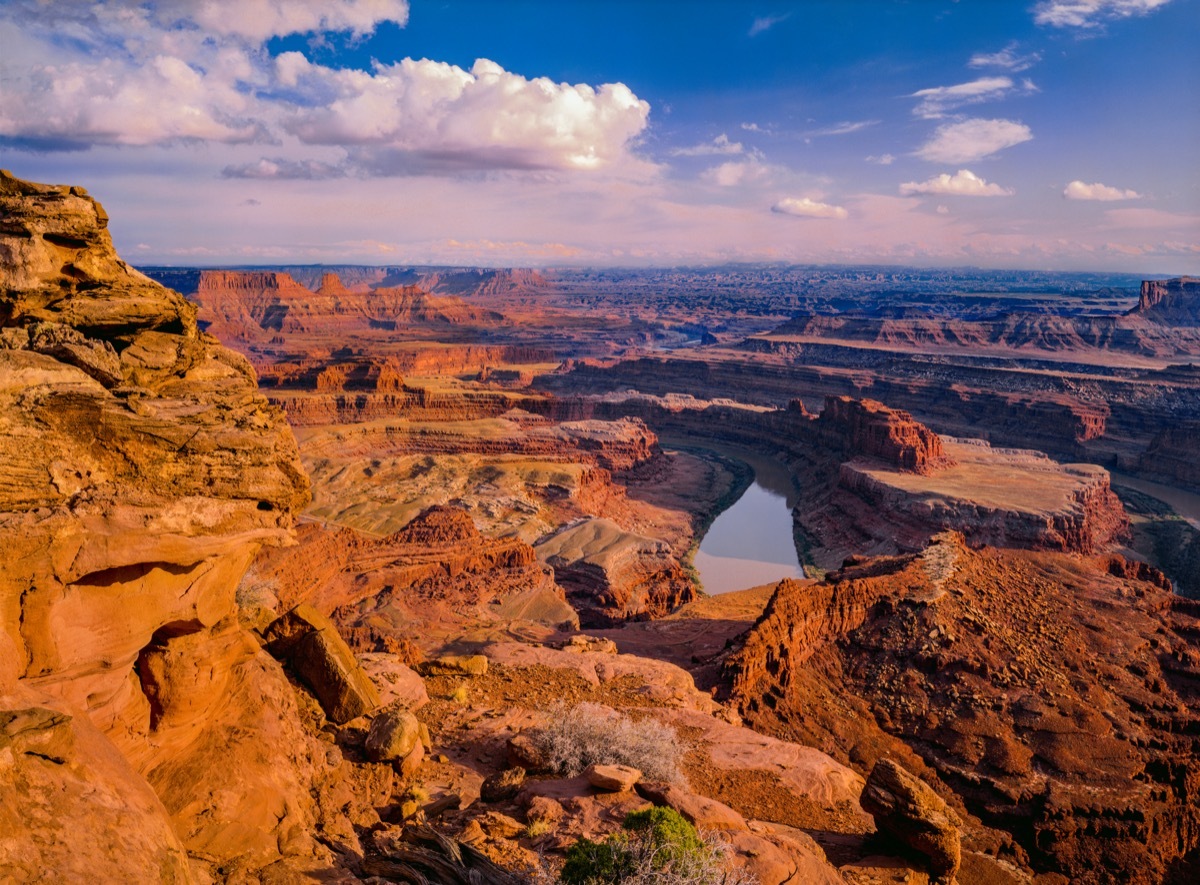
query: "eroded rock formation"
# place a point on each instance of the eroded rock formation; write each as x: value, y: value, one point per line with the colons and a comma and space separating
x: 1049, y: 697
x: 434, y: 578
x: 252, y: 305
x: 140, y: 472
x: 863, y: 427
x: 611, y: 575
x: 1175, y: 302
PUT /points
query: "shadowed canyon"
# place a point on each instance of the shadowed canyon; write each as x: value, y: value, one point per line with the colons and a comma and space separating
x: 306, y: 567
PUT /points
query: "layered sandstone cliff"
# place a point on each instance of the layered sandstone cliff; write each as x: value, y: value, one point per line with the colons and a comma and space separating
x: 147, y: 735
x: 1174, y: 301
x: 251, y: 305
x: 859, y: 489
x: 864, y: 427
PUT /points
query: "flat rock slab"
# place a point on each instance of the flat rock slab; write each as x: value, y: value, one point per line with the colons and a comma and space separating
x: 613, y: 778
x: 700, y: 811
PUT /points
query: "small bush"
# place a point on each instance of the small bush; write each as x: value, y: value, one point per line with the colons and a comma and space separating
x: 659, y: 847
x: 592, y: 863
x: 592, y: 734
x: 671, y: 835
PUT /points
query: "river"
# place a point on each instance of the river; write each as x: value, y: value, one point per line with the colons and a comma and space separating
x: 751, y: 542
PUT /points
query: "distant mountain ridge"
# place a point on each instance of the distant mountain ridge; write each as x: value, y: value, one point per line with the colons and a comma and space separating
x: 250, y: 304
x: 437, y: 280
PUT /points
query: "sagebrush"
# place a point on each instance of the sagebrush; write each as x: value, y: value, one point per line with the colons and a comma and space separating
x: 590, y: 734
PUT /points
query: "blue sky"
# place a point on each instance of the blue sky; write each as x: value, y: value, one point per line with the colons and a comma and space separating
x: 1042, y: 134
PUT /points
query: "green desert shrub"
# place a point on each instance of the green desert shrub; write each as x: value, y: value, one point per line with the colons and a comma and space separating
x: 657, y: 847
x: 593, y: 734
x: 671, y: 835
x: 593, y: 863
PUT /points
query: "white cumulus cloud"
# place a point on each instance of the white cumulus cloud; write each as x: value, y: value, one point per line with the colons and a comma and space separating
x: 158, y: 73
x: 803, y: 207
x: 73, y: 105
x: 973, y: 139
x: 430, y: 115
x: 259, y: 20
x: 1090, y: 13
x: 963, y: 183
x: 1078, y: 190
x: 735, y: 172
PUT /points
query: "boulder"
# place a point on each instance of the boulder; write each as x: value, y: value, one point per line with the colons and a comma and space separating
x: 411, y: 762
x: 544, y: 812
x: 309, y: 643
x: 393, y: 735
x: 908, y: 810
x: 503, y: 785
x: 524, y: 751
x: 395, y: 680
x: 584, y: 643
x: 500, y: 826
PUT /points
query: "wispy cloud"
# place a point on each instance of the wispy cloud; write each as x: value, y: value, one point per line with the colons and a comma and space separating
x: 1006, y: 59
x: 738, y: 172
x: 937, y: 101
x: 766, y: 22
x: 806, y: 208
x: 972, y: 140
x: 267, y: 168
x: 1090, y: 13
x: 882, y: 159
x: 844, y: 128
x: 963, y: 183
x: 719, y: 145
x: 754, y: 127
x: 1078, y: 190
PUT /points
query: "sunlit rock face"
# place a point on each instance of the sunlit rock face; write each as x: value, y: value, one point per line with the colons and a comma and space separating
x: 140, y: 472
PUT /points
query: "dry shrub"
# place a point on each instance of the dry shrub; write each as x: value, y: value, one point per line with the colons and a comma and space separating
x: 591, y: 734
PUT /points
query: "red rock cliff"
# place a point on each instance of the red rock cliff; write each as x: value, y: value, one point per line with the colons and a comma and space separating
x: 1174, y: 301
x: 866, y: 427
x: 140, y: 472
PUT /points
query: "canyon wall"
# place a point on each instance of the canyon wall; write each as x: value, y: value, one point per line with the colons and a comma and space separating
x: 859, y: 486
x: 251, y: 305
x: 144, y: 728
